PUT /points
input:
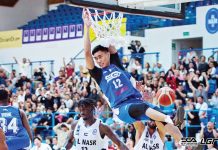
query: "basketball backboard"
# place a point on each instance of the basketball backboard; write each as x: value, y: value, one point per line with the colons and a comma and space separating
x: 173, y: 9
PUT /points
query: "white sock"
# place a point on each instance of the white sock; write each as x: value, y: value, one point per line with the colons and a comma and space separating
x: 168, y: 120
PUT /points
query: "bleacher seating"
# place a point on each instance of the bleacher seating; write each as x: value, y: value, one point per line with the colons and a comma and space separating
x: 65, y: 15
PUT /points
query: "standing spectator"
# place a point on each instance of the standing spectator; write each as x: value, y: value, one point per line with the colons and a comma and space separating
x: 125, y: 62
x: 23, y: 66
x: 203, y: 66
x: 63, y: 133
x: 38, y: 145
x: 209, y: 132
x: 2, y: 77
x: 139, y: 48
x: 193, y: 119
x: 171, y: 80
x: 100, y: 110
x: 132, y: 47
x: 212, y: 70
x: 195, y: 61
x: 202, y: 107
x: 69, y: 68
x: 190, y: 54
x: 181, y: 94
x: 200, y: 90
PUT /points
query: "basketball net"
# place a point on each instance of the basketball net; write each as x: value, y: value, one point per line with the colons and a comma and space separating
x: 106, y: 26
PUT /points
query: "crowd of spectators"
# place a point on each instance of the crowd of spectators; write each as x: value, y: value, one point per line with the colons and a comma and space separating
x: 53, y: 102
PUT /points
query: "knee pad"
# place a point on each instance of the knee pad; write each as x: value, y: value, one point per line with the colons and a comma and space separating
x: 136, y: 110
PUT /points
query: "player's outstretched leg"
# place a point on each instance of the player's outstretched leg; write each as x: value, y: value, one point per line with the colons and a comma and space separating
x: 170, y: 129
x: 3, y: 145
x: 166, y: 122
x: 158, y: 116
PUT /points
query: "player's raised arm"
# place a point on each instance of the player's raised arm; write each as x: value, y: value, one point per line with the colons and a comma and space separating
x: 112, y: 49
x: 109, y: 133
x: 87, y: 43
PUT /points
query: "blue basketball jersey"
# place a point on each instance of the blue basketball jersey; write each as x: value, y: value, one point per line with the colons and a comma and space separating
x: 116, y: 85
x: 11, y: 123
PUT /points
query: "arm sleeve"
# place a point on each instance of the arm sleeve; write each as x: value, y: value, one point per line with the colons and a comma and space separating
x: 96, y: 73
x: 114, y: 59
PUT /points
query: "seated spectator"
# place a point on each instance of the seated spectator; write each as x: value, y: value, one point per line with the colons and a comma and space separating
x: 209, y: 132
x: 146, y: 68
x: 214, y: 101
x: 23, y: 80
x: 182, y: 72
x: 38, y: 145
x: 158, y: 68
x: 94, y: 94
x: 39, y: 75
x: 68, y: 101
x: 48, y: 141
x: 202, y: 107
x: 55, y: 143
x: 44, y: 124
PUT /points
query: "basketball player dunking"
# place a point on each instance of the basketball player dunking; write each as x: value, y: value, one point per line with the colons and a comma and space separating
x: 14, y: 124
x: 115, y: 83
x: 89, y: 133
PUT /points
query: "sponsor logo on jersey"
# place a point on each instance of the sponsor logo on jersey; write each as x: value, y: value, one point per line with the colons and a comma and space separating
x: 113, y: 75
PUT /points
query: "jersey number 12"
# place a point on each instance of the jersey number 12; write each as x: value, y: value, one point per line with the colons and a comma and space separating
x: 117, y: 83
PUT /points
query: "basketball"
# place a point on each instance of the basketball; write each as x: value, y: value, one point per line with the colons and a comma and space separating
x: 165, y: 96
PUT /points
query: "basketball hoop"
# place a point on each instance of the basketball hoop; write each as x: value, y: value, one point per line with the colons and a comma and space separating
x: 106, y: 26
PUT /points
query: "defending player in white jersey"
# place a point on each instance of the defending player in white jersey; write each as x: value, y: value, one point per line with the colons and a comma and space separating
x: 151, y: 138
x: 89, y: 133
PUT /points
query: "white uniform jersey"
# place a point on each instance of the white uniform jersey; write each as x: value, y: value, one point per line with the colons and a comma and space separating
x: 147, y: 142
x: 89, y: 138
